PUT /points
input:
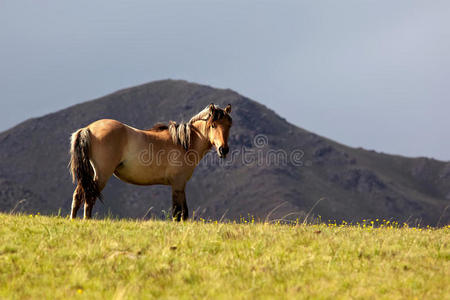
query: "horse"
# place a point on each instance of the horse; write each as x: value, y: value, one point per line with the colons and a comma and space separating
x: 166, y: 154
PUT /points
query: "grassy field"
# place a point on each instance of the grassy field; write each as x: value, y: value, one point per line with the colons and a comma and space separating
x: 52, y: 257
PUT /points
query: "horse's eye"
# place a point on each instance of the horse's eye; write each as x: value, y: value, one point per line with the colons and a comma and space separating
x: 213, y: 125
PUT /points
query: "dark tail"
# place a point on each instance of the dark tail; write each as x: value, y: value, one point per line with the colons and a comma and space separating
x: 80, y: 165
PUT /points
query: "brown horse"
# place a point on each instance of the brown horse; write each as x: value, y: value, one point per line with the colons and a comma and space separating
x: 165, y: 154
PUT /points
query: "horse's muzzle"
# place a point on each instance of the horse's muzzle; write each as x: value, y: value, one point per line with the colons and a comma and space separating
x: 223, y: 151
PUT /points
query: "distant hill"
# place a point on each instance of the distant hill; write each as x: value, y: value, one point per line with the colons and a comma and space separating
x: 353, y: 183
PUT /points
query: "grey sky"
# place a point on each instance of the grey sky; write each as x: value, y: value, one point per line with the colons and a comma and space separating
x: 365, y: 73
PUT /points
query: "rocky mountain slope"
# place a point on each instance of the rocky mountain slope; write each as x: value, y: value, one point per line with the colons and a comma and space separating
x: 278, y: 169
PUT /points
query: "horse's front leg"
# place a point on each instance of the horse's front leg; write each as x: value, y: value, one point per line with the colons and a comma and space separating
x: 179, y: 205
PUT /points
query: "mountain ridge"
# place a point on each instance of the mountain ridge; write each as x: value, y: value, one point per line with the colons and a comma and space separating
x: 228, y: 90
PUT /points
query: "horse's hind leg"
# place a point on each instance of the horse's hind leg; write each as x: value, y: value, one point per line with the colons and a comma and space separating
x: 79, y: 196
x: 90, y: 201
x: 88, y: 205
x: 102, y: 176
x: 77, y: 201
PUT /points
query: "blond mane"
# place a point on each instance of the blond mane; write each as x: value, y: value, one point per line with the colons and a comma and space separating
x: 181, y: 133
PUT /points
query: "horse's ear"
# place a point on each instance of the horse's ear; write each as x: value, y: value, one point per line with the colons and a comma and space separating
x: 212, y: 107
x: 228, y: 109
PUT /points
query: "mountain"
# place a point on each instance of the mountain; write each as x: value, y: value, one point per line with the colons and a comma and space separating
x: 278, y: 169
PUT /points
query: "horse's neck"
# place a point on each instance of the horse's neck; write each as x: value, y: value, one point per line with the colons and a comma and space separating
x: 199, y: 139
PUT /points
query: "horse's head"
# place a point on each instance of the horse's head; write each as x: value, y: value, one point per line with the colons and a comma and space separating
x: 219, y: 124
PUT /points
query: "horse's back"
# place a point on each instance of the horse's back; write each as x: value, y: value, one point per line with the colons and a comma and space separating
x: 106, y: 127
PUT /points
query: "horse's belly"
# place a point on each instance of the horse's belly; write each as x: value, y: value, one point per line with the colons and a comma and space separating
x: 147, y: 174
x: 142, y: 177
x: 151, y: 169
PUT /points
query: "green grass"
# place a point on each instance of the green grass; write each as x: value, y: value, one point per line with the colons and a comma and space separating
x: 51, y: 257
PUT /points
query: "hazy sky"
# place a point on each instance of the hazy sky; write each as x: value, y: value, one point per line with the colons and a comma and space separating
x: 374, y: 74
